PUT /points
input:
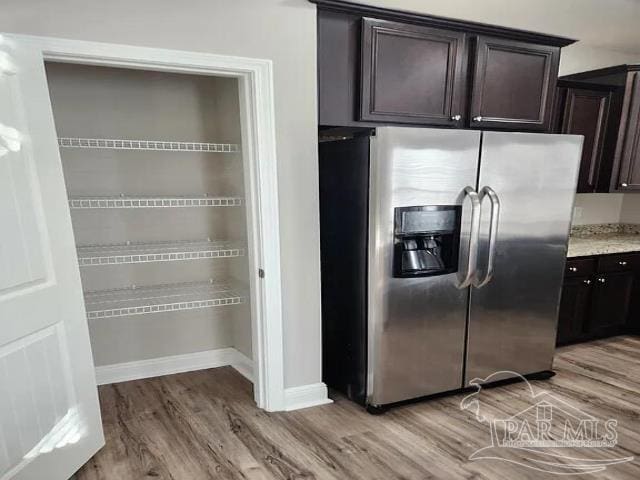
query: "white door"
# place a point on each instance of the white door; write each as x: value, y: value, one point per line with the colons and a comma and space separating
x: 49, y: 414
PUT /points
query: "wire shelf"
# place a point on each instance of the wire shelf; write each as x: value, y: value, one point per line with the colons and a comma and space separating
x: 117, y: 254
x: 123, y: 201
x: 160, y: 298
x: 121, y: 144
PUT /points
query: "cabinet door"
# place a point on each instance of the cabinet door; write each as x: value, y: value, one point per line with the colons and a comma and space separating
x: 411, y: 74
x: 612, y: 297
x: 557, y: 111
x: 586, y: 113
x: 629, y: 177
x: 513, y: 84
x: 634, y: 307
x: 574, y: 309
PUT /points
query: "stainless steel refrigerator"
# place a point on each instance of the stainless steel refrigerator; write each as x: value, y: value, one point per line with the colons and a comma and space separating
x: 442, y: 258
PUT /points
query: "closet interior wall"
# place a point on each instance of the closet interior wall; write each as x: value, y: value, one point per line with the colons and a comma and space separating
x: 91, y: 102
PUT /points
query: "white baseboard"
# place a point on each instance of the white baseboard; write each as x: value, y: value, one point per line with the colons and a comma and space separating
x: 243, y: 364
x: 306, y: 396
x: 296, y: 398
x: 123, y: 372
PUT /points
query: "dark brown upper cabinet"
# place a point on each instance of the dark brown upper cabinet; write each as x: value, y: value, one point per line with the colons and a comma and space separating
x: 513, y: 84
x: 629, y: 138
x: 586, y: 112
x: 618, y: 169
x: 378, y: 66
x: 411, y: 73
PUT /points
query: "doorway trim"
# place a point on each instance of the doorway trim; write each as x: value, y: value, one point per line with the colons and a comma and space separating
x: 257, y: 113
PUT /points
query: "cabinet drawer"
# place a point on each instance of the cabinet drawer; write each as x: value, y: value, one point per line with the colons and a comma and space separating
x: 580, y: 268
x: 618, y: 263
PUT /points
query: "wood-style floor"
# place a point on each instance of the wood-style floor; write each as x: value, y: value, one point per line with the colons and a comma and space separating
x: 202, y: 425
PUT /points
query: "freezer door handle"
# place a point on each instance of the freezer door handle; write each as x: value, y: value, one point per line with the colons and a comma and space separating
x: 469, y: 192
x: 493, y: 233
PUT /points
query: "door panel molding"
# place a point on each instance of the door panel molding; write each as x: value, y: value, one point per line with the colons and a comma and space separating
x: 629, y: 175
x: 591, y: 157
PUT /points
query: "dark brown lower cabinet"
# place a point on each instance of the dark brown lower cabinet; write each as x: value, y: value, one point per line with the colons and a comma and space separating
x: 634, y: 308
x: 611, y: 300
x: 599, y: 298
x: 574, y: 309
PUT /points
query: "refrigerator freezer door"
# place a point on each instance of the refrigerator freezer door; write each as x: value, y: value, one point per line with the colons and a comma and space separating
x: 416, y: 327
x: 512, y: 318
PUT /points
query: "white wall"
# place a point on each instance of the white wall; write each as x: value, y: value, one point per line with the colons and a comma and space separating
x: 580, y: 57
x: 630, y: 212
x: 281, y: 30
x: 99, y: 102
x: 285, y: 31
x: 592, y: 208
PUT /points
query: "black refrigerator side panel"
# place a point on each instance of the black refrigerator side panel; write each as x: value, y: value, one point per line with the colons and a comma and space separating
x: 344, y: 214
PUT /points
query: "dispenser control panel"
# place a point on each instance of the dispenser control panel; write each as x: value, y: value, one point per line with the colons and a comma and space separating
x: 426, y: 240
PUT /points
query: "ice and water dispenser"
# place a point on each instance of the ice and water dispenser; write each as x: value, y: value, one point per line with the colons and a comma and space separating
x: 426, y: 240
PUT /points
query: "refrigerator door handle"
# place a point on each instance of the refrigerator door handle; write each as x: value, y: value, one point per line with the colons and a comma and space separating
x: 493, y: 233
x: 473, y: 236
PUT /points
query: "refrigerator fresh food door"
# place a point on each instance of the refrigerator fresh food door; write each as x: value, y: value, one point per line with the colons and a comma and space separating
x: 527, y: 183
x: 417, y: 323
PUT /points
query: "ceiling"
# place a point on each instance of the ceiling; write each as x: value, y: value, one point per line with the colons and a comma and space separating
x: 608, y: 24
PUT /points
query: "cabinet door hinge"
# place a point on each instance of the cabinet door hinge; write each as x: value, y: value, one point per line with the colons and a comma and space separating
x: 261, y: 273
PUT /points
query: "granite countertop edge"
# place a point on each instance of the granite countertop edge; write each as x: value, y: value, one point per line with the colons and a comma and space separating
x: 603, y: 239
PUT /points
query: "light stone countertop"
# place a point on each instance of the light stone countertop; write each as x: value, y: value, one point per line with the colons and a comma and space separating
x: 586, y: 240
